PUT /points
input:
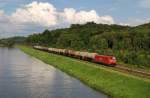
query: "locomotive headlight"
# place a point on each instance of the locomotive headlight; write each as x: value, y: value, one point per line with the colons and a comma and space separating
x: 113, y: 58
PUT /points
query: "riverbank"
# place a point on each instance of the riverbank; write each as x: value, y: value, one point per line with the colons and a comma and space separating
x: 113, y: 83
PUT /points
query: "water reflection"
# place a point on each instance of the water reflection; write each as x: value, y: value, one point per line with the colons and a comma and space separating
x: 22, y: 76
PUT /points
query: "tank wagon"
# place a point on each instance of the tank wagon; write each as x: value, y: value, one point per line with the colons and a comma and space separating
x: 93, y: 57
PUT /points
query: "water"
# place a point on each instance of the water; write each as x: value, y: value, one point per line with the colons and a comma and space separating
x: 22, y: 76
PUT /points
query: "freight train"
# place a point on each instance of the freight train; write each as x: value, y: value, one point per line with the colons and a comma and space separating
x: 93, y: 57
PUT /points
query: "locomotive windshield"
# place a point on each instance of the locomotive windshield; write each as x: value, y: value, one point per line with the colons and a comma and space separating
x: 113, y: 58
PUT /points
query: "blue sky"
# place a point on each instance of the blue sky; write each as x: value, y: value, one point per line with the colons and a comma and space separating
x: 131, y: 12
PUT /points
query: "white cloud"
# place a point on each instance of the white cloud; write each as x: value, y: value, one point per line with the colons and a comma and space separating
x: 8, y: 28
x: 144, y: 3
x: 140, y: 21
x: 135, y: 21
x: 44, y: 15
x: 124, y: 24
x: 1, y: 12
x: 37, y: 13
x: 72, y: 16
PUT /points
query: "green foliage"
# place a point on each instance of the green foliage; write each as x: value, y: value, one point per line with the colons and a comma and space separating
x: 139, y: 59
x: 94, y: 37
x: 97, y: 42
x: 9, y: 42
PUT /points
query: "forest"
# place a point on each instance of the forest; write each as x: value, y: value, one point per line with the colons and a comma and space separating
x: 131, y: 45
x: 10, y: 42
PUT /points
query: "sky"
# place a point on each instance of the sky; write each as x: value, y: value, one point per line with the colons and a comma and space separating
x: 25, y: 17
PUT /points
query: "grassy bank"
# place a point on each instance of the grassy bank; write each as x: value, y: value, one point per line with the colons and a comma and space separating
x: 113, y: 83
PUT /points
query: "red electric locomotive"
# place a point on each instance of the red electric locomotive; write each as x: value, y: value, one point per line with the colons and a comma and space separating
x: 108, y: 60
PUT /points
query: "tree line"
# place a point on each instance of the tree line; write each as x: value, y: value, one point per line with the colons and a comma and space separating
x: 10, y: 42
x: 129, y: 44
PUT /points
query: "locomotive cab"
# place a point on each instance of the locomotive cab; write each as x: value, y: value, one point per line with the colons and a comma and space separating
x: 113, y: 60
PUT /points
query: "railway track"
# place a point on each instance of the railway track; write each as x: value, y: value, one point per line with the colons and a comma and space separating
x: 140, y: 72
x: 119, y: 67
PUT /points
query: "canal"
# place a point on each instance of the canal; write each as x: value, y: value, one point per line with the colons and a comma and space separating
x: 22, y: 76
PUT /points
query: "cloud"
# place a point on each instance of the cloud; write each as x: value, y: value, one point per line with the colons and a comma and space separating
x: 144, y: 3
x: 140, y: 21
x: 134, y: 22
x: 35, y: 15
x: 46, y: 14
x: 8, y: 28
x: 124, y: 24
x: 1, y: 13
x: 70, y: 15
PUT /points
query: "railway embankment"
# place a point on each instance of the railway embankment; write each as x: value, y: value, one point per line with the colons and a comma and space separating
x: 104, y: 79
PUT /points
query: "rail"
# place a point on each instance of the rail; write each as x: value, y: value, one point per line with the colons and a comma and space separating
x: 132, y: 70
